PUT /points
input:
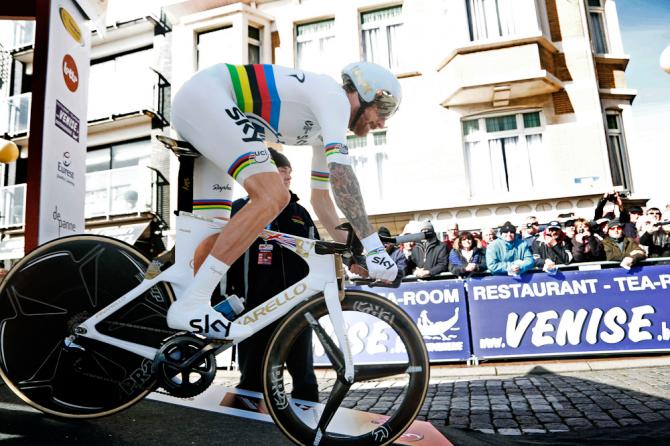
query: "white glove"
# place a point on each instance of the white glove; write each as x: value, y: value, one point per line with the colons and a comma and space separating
x: 379, y: 264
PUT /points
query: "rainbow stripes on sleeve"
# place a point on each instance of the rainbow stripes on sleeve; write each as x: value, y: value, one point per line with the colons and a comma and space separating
x: 320, y: 176
x: 201, y: 205
x: 333, y: 149
x: 256, y: 91
x: 241, y: 163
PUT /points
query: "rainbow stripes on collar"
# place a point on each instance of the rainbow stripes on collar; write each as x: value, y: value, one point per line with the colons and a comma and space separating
x: 320, y: 176
x: 202, y: 205
x: 256, y: 91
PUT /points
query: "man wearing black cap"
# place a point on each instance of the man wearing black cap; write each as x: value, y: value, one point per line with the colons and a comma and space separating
x: 509, y: 254
x: 620, y: 248
x: 429, y: 257
x: 550, y: 248
x: 265, y: 270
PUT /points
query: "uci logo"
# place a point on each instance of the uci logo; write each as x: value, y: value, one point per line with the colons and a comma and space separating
x: 70, y: 73
x: 261, y: 156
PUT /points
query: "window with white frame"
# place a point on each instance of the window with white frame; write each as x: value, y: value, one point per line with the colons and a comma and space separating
x: 618, y: 154
x: 217, y: 46
x: 315, y: 47
x: 493, y: 19
x: 381, y: 36
x: 368, y: 154
x: 597, y: 25
x: 504, y: 153
x: 254, y: 45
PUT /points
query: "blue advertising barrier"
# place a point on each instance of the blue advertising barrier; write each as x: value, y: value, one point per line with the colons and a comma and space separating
x: 438, y: 308
x: 574, y: 312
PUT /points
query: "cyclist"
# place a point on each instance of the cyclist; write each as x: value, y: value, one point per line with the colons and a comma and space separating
x: 228, y: 111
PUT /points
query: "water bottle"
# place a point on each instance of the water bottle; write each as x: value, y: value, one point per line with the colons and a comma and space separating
x: 230, y: 307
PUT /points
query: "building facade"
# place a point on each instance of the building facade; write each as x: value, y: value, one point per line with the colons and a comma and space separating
x: 510, y: 108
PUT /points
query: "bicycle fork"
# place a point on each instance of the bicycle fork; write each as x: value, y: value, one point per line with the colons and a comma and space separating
x: 332, y: 296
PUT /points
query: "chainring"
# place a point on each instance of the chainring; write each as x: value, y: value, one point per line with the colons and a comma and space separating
x: 177, y: 379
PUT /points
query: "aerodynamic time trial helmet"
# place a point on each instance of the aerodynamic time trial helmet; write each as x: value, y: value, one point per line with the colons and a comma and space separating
x: 375, y: 86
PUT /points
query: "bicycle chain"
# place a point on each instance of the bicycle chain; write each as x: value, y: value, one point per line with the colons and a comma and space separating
x: 141, y: 327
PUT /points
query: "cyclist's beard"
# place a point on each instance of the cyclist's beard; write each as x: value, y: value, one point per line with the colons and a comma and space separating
x: 355, y: 118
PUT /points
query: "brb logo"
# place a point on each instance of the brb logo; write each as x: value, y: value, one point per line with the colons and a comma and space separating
x: 70, y: 73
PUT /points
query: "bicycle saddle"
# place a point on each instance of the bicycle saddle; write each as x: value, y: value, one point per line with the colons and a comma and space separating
x: 179, y: 147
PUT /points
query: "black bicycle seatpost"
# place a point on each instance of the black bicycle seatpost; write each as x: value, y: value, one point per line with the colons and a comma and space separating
x: 185, y: 181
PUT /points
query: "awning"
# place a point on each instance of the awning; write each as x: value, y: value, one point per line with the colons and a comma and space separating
x: 12, y: 248
x: 125, y: 233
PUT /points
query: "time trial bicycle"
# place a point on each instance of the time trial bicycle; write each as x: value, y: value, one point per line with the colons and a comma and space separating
x: 83, y: 334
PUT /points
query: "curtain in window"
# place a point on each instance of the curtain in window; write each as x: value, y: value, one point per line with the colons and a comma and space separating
x: 539, y: 162
x: 316, y: 48
x: 478, y: 159
x: 598, y: 30
x: 394, y: 38
x: 496, y: 18
x: 517, y: 157
x: 616, y: 161
x: 497, y: 162
x: 374, y: 47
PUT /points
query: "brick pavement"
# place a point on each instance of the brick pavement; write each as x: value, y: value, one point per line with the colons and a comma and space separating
x: 536, y: 403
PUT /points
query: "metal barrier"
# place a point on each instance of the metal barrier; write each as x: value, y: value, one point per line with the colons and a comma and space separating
x: 584, y: 309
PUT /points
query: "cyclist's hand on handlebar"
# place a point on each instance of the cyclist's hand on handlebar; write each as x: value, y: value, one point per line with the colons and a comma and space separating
x: 381, y: 266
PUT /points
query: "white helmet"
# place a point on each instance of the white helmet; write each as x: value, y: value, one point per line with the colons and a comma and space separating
x: 375, y: 85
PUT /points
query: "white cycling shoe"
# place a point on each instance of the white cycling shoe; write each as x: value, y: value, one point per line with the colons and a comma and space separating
x: 200, y: 318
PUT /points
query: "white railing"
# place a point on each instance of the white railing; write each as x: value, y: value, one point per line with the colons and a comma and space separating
x: 15, y: 114
x: 128, y: 190
x: 12, y: 206
x: 118, y: 191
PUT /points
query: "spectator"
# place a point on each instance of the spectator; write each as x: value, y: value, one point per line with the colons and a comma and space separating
x: 569, y: 231
x: 620, y: 248
x: 265, y: 270
x: 531, y: 230
x: 509, y: 254
x: 602, y: 208
x: 654, y: 213
x: 656, y: 238
x: 429, y: 257
x: 466, y: 257
x: 488, y: 235
x: 451, y: 236
x: 630, y: 228
x: 586, y: 246
x: 550, y: 248
x: 395, y: 253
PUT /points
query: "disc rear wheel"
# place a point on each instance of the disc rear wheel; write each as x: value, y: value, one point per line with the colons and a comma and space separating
x: 43, y: 299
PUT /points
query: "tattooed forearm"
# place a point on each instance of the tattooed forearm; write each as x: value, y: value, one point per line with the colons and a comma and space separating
x: 348, y: 197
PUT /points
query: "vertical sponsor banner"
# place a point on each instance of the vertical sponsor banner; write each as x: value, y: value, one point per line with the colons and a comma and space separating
x: 437, y: 307
x: 574, y: 312
x: 64, y: 145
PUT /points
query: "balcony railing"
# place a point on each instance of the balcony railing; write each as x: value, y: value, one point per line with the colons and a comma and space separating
x: 15, y: 114
x: 124, y: 92
x: 125, y: 191
x: 12, y: 206
x: 129, y: 190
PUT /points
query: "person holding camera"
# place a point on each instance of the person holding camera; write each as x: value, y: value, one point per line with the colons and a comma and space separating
x: 587, y: 245
x: 656, y: 237
x: 615, y: 198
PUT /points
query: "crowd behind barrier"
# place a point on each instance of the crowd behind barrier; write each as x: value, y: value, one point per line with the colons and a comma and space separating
x: 586, y: 309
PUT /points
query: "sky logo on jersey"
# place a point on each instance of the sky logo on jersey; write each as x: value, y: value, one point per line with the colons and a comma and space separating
x: 205, y: 205
x: 256, y: 91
